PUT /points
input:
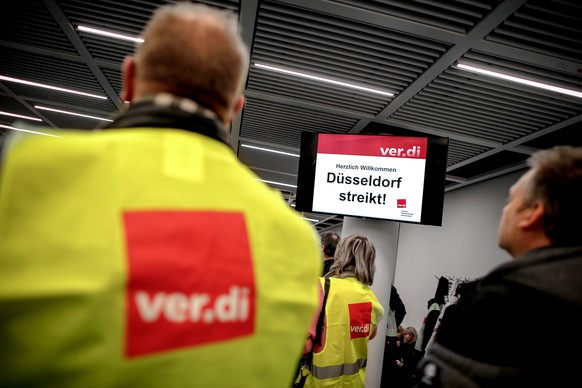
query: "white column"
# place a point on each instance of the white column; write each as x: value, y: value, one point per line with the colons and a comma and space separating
x: 384, y: 236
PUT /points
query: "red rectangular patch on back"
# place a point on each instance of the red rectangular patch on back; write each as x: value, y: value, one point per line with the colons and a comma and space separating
x: 360, y: 319
x: 191, y: 280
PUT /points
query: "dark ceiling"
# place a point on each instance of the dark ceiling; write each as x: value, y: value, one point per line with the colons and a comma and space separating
x: 407, y: 47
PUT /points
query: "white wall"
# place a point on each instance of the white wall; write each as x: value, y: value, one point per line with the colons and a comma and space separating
x: 465, y: 245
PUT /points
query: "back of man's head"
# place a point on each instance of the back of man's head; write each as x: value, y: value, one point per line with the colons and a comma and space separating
x: 193, y: 51
x: 557, y: 183
x: 329, y: 240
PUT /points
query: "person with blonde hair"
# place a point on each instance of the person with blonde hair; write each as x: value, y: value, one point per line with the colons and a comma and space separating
x: 404, y: 372
x: 146, y: 254
x: 351, y: 314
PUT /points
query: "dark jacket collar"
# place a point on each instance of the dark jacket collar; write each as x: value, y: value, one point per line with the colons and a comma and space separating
x: 167, y: 111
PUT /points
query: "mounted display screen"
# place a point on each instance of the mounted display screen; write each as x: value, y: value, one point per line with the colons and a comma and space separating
x: 373, y: 176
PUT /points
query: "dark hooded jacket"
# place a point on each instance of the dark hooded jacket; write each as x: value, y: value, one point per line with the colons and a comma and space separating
x: 504, y: 333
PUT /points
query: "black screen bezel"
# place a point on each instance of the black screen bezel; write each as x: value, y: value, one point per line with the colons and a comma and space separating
x: 434, y: 178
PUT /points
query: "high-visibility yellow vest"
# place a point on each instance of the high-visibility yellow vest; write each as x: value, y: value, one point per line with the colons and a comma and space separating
x: 352, y: 314
x: 148, y: 258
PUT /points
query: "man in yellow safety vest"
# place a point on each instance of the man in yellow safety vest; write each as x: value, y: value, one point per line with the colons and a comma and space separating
x: 146, y: 254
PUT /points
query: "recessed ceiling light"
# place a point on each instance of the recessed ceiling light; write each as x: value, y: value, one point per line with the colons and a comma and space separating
x: 109, y: 34
x: 71, y: 113
x: 269, y: 150
x: 322, y: 79
x: 19, y: 116
x: 37, y: 84
x: 523, y: 81
x: 27, y: 130
x: 277, y: 183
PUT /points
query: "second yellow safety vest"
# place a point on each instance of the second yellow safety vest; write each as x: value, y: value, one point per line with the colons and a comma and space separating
x: 352, y: 315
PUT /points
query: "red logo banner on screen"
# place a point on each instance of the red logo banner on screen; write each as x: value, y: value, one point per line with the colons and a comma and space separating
x: 190, y: 280
x: 401, y: 203
x: 360, y: 319
x: 366, y: 145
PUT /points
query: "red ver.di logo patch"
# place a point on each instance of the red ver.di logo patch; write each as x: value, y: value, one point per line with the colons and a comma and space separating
x: 187, y: 286
x: 360, y: 319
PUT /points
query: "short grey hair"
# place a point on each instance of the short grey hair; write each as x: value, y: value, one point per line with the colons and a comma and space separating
x: 195, y: 51
x: 556, y: 181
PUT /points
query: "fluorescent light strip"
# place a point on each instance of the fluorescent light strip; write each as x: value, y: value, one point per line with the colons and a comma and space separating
x: 316, y: 78
x: 71, y: 113
x: 310, y: 219
x: 109, y: 34
x: 519, y: 80
x: 277, y: 183
x: 21, y: 81
x: 26, y: 130
x: 269, y: 150
x: 19, y: 116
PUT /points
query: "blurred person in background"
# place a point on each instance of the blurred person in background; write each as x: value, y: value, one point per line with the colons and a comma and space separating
x: 329, y: 241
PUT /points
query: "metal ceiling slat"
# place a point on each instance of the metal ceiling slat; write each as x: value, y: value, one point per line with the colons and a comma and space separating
x: 531, y: 28
x: 461, y: 145
x: 390, y: 78
x: 515, y: 92
x: 457, y: 154
x: 299, y: 121
x: 327, y: 120
x: 566, y: 10
x: 454, y: 7
x: 476, y: 112
x: 30, y: 23
x: 70, y: 75
x: 450, y: 124
x: 486, y: 124
x: 489, y: 110
x: 358, y: 54
x: 298, y: 116
x: 524, y: 33
x: 538, y: 25
x: 312, y: 90
x: 471, y: 122
x: 475, y: 128
x: 374, y: 73
x: 406, y: 10
x: 527, y: 71
x: 558, y: 15
x: 281, y: 128
x: 339, y: 74
x: 515, y: 107
x: 348, y: 27
x: 341, y: 35
x: 335, y: 101
x: 358, y: 102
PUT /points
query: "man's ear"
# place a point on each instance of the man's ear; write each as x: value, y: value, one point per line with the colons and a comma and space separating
x: 128, y: 79
x: 532, y: 216
x: 238, y: 105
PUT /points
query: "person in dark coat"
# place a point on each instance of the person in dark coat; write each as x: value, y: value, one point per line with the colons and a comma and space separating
x: 329, y: 241
x: 405, y: 375
x: 539, y: 289
x: 394, y: 319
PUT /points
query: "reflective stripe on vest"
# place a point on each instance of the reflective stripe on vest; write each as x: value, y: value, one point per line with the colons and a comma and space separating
x: 328, y: 372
